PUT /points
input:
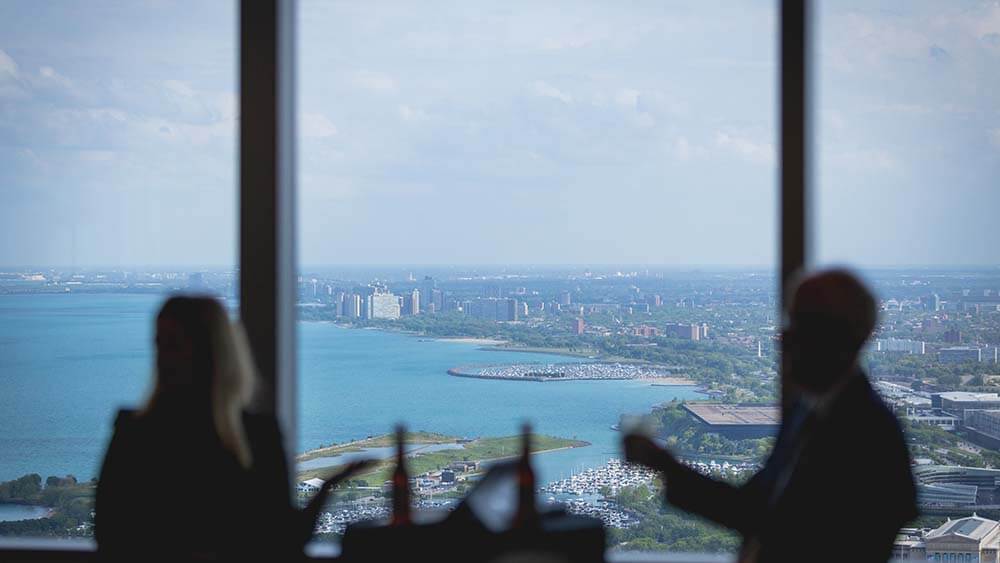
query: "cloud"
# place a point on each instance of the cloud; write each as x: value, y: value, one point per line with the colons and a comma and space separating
x: 316, y: 126
x: 939, y: 53
x: 546, y: 90
x: 10, y: 82
x: 628, y: 98
x: 753, y: 151
x: 994, y: 136
x: 683, y: 149
x: 374, y: 81
x: 866, y: 160
x: 8, y: 68
x: 409, y: 113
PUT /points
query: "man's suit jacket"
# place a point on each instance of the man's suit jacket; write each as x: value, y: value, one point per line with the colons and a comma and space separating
x: 836, y: 487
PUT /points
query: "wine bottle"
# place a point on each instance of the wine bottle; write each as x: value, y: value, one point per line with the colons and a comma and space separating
x: 527, y: 511
x: 400, y: 483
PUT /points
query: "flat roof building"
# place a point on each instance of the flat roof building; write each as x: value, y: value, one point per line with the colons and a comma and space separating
x: 957, y: 402
x: 737, y: 421
x: 959, y: 354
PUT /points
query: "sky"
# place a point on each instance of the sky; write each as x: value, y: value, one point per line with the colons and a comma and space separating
x: 503, y: 133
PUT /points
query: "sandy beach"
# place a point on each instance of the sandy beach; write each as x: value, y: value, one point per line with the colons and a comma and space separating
x: 479, y: 341
x: 668, y: 381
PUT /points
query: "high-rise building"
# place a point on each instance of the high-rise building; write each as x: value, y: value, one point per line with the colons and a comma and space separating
x: 578, y: 326
x: 414, y: 302
x: 565, y: 298
x: 427, y: 288
x: 384, y: 306
x: 352, y: 306
x: 493, y: 309
x: 437, y: 300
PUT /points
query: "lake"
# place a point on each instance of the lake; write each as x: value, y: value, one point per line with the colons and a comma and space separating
x: 68, y: 362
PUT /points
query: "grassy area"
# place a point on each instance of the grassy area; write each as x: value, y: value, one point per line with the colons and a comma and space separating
x: 383, y: 441
x: 482, y: 449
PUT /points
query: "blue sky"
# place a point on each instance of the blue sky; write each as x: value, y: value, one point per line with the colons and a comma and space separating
x: 513, y: 132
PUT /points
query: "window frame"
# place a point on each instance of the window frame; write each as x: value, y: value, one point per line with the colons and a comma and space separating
x: 267, y: 195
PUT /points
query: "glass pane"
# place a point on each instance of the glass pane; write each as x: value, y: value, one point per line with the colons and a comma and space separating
x: 117, y: 186
x: 534, y: 190
x: 908, y: 152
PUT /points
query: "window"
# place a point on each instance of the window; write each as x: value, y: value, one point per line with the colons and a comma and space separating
x: 117, y: 186
x: 583, y: 180
x: 907, y: 153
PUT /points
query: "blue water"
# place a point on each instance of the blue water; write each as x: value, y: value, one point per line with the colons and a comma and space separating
x: 14, y: 512
x: 68, y: 362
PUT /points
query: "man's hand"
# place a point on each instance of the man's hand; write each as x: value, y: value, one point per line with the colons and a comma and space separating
x: 640, y: 449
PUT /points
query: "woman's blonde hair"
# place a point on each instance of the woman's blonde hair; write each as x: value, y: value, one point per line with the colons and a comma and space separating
x: 222, y: 367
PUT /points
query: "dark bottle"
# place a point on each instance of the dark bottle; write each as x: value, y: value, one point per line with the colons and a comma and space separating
x: 527, y: 511
x: 400, y: 483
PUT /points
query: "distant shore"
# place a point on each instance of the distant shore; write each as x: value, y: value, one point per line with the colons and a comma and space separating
x: 472, y: 340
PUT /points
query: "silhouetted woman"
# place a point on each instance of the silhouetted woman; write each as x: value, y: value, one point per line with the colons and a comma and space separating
x: 191, y: 475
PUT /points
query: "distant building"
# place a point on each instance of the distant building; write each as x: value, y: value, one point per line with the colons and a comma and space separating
x: 957, y: 402
x: 952, y: 336
x: 736, y: 421
x: 384, y: 306
x: 565, y: 298
x: 899, y: 345
x: 494, y: 309
x: 704, y: 331
x: 654, y: 300
x: 636, y: 308
x: 352, y: 306
x: 943, y: 421
x: 436, y: 302
x: 645, y: 331
x: 414, y: 302
x: 983, y: 427
x: 959, y: 354
x: 681, y: 330
x: 963, y: 540
x: 931, y: 302
x: 578, y: 326
x: 426, y: 287
x: 309, y: 487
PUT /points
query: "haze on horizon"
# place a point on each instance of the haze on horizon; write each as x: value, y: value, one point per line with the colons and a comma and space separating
x: 502, y: 133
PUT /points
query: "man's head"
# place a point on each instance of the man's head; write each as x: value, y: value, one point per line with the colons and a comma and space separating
x: 830, y: 317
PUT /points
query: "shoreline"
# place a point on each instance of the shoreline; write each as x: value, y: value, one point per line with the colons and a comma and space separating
x: 473, y: 340
x: 462, y: 453
x: 485, y: 344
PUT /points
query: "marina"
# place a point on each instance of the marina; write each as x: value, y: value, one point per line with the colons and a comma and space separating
x: 567, y: 371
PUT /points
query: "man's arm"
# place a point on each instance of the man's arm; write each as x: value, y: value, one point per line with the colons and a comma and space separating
x: 689, y: 490
x: 717, y: 501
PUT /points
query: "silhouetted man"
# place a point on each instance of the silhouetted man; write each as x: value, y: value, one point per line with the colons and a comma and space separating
x: 837, y: 486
